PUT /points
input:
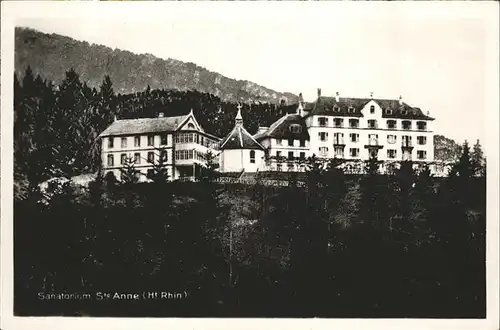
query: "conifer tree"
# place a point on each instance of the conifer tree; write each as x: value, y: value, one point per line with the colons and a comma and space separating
x: 478, y: 160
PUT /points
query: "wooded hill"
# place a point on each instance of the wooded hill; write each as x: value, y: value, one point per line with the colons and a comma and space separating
x: 50, y: 55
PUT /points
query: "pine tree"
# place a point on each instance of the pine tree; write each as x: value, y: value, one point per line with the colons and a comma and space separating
x: 478, y: 160
x: 129, y: 174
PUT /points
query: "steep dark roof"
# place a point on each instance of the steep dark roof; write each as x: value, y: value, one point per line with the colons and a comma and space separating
x: 325, y: 106
x: 239, y: 138
x: 280, y: 129
x: 143, y: 125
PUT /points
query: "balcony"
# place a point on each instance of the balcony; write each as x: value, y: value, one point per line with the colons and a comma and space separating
x: 338, y: 141
x: 406, y: 144
x: 373, y: 143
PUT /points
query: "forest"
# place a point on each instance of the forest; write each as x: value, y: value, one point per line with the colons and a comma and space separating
x: 402, y: 245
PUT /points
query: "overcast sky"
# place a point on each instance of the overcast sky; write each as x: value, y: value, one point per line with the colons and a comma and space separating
x: 438, y: 57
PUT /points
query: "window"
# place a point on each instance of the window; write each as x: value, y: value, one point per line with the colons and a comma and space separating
x: 111, y: 160
x: 354, y: 152
x: 278, y: 154
x: 124, y: 142
x: 137, y: 141
x: 338, y: 138
x: 164, y: 139
x: 323, y: 136
x: 302, y: 156
x: 421, y: 154
x: 322, y: 121
x: 406, y: 141
x: 391, y: 153
x: 339, y: 152
x: 338, y: 122
x: 388, y: 111
x: 421, y: 125
x: 372, y: 109
x: 391, y: 124
x: 190, y: 126
x: 151, y: 140
x: 151, y: 157
x: 295, y: 128
x: 323, y: 151
x: 111, y: 142
x: 279, y: 167
x: 164, y: 155
x: 290, y: 155
x: 372, y: 139
x: 350, y: 109
x: 372, y: 123
x: 290, y: 142
x: 137, y: 158
x: 336, y: 108
x: 354, y: 123
x: 252, y: 156
x: 421, y: 140
x: 406, y: 124
x: 404, y: 112
x: 391, y: 139
x: 354, y: 137
x: 150, y: 173
x: 123, y: 159
x: 302, y: 143
x: 278, y: 142
x: 290, y: 167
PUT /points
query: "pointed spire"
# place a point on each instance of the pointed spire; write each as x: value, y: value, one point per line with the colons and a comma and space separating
x: 400, y: 100
x: 300, y: 108
x: 115, y: 118
x: 239, y: 118
x: 191, y: 111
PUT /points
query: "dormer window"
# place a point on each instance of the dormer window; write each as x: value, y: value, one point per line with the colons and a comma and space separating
x: 350, y: 109
x: 295, y: 128
x: 388, y: 111
x: 372, y: 109
x: 336, y: 108
x: 414, y: 112
x: 404, y: 112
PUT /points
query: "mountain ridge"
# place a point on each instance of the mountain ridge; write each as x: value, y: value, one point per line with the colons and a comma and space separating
x: 50, y: 55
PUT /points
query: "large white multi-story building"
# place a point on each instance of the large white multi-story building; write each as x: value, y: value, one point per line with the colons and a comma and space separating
x: 180, y: 141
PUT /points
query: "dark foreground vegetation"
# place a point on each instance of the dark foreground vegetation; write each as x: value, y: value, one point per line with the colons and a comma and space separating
x: 405, y: 245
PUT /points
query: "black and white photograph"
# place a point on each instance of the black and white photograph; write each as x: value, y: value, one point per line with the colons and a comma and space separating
x: 250, y: 161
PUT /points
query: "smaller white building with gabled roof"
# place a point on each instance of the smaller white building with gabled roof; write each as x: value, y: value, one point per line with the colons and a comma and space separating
x: 239, y: 151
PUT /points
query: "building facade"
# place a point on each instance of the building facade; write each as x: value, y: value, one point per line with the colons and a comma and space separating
x: 180, y: 142
x: 353, y: 129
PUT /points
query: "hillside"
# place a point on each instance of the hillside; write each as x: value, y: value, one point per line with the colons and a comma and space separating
x: 51, y: 55
x: 446, y: 149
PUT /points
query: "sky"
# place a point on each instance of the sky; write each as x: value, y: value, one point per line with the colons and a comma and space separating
x: 437, y: 57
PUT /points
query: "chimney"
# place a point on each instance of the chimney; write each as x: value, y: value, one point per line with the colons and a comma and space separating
x: 400, y: 100
x: 371, y: 95
x: 161, y: 115
x: 319, y: 92
x: 301, y: 99
x: 115, y: 118
x: 337, y: 97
